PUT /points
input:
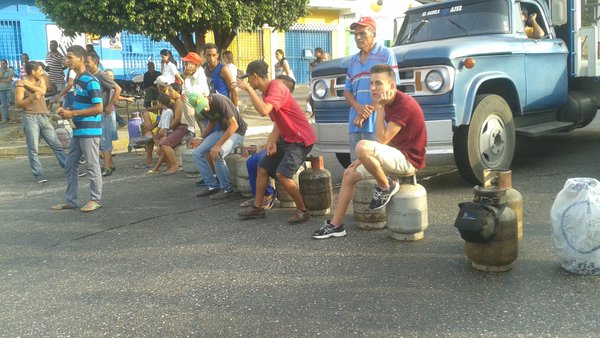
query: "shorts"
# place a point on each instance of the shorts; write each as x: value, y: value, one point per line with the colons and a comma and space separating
x: 109, y: 131
x: 354, y: 138
x: 175, y: 137
x: 289, y: 157
x: 391, y: 159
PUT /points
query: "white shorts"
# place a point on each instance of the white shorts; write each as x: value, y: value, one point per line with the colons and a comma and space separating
x: 391, y: 159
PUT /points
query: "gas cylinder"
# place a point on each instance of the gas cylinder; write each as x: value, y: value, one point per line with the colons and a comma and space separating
x: 502, y: 179
x: 133, y: 126
x: 316, y: 187
x: 284, y: 200
x: 406, y: 212
x: 64, y: 133
x: 189, y: 164
x: 243, y: 182
x: 231, y: 161
x: 498, y: 254
x: 364, y: 217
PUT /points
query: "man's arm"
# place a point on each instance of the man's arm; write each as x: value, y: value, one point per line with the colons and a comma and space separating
x: 176, y: 121
x: 232, y: 126
x: 261, y: 107
x: 538, y: 32
x: 90, y: 111
x: 385, y: 133
x: 271, y: 145
x: 115, y: 97
x: 208, y: 129
x: 229, y: 80
x: 39, y: 89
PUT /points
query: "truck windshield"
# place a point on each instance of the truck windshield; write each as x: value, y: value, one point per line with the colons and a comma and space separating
x: 452, y: 20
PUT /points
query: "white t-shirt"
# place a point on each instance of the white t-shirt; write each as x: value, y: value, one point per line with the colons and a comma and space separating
x: 71, y: 75
x: 169, y: 70
x: 197, y: 83
x: 165, y: 118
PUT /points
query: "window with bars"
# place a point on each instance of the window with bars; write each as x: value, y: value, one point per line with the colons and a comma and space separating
x: 11, y: 47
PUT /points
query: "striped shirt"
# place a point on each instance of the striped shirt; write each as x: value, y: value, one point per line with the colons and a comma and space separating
x: 358, y: 82
x: 54, y: 61
x: 87, y: 94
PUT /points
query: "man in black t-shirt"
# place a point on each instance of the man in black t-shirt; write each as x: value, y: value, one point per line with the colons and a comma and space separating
x: 218, y: 144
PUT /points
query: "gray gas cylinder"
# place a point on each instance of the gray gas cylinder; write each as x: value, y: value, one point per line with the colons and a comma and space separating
x: 316, y: 187
x: 407, y: 211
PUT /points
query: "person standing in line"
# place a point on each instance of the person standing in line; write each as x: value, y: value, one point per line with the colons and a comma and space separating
x: 24, y: 62
x: 55, y: 68
x: 29, y: 95
x: 282, y: 67
x: 220, y: 80
x: 228, y: 58
x: 399, y: 148
x: 68, y: 92
x: 6, y: 75
x: 361, y: 124
x: 311, y: 66
x: 168, y: 67
x: 111, y: 92
x: 288, y: 144
x: 87, y: 116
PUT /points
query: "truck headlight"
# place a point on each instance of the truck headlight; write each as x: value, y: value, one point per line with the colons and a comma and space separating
x: 434, y: 81
x: 320, y: 89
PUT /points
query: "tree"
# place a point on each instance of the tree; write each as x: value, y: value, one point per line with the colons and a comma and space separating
x: 184, y: 23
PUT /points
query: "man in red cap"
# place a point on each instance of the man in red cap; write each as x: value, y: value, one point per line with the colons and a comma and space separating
x: 361, y: 123
x: 194, y: 79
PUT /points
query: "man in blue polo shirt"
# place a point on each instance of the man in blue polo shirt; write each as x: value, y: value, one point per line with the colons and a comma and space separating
x: 357, y: 90
x: 86, y: 115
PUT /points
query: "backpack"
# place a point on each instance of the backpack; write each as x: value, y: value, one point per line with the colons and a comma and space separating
x: 477, y: 221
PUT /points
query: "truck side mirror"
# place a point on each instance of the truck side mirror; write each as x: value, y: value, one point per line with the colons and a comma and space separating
x: 559, y: 12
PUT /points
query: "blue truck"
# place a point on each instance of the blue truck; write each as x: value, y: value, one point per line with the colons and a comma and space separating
x: 480, y: 79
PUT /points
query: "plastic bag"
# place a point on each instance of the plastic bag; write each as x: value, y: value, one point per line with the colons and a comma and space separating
x: 575, y: 217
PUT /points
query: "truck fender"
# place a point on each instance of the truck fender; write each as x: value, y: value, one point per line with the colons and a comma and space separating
x: 473, y: 89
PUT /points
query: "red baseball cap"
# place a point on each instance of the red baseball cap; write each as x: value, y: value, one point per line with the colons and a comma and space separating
x: 365, y: 21
x: 192, y: 57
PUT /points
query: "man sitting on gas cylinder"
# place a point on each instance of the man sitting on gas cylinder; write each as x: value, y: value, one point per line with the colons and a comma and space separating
x: 399, y: 149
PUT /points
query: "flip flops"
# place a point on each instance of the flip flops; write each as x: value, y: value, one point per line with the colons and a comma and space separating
x: 152, y: 172
x: 62, y: 207
x: 91, y: 206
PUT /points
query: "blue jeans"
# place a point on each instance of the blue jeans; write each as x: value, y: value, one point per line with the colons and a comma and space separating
x: 354, y: 138
x: 203, y: 150
x: 35, y: 125
x: 252, y: 166
x: 4, y: 101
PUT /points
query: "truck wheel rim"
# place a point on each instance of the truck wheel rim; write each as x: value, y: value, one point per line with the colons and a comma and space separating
x: 492, y: 140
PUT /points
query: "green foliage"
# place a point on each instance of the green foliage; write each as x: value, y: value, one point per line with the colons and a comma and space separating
x: 176, y: 21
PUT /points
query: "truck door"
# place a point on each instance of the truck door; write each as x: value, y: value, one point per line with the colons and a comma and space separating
x: 545, y: 66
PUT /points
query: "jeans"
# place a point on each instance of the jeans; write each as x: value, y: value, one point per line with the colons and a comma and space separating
x: 90, y: 147
x: 4, y: 101
x: 35, y: 125
x: 203, y: 150
x: 252, y: 166
x: 354, y: 138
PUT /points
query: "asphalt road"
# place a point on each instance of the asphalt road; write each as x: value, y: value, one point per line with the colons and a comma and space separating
x: 157, y: 261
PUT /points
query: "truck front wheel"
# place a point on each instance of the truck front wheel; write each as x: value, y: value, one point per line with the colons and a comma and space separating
x: 488, y: 142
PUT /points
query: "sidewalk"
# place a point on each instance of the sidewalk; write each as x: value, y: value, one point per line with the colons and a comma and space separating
x: 12, y: 139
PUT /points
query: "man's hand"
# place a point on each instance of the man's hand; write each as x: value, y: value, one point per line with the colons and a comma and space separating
x: 57, y: 98
x: 214, y: 152
x: 64, y: 113
x: 243, y: 85
x: 107, y: 111
x: 532, y: 18
x: 271, y: 148
x: 38, y: 95
x: 386, y: 97
x: 365, y: 111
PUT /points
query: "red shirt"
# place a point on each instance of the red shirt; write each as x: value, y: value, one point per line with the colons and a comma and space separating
x: 411, y: 140
x: 288, y: 116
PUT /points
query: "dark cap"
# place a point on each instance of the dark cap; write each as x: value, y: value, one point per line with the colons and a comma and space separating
x: 259, y: 67
x: 365, y: 21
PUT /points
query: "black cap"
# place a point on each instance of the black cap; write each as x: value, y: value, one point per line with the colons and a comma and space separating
x: 259, y: 67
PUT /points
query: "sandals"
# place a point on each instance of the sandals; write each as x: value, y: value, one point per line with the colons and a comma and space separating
x: 152, y: 172
x: 91, y: 206
x: 62, y: 207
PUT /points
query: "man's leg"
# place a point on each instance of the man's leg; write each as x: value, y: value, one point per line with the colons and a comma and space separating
x: 201, y: 154
x: 354, y: 138
x: 4, y: 102
x: 90, y: 146
x: 169, y: 155
x: 221, y: 166
x: 49, y: 135
x: 365, y: 151
x: 72, y: 170
x: 31, y: 128
x: 351, y: 177
x: 291, y: 188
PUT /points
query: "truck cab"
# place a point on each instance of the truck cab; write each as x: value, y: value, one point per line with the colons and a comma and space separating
x: 480, y: 79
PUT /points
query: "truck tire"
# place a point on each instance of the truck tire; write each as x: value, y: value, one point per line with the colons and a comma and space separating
x: 488, y: 142
x: 344, y: 159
